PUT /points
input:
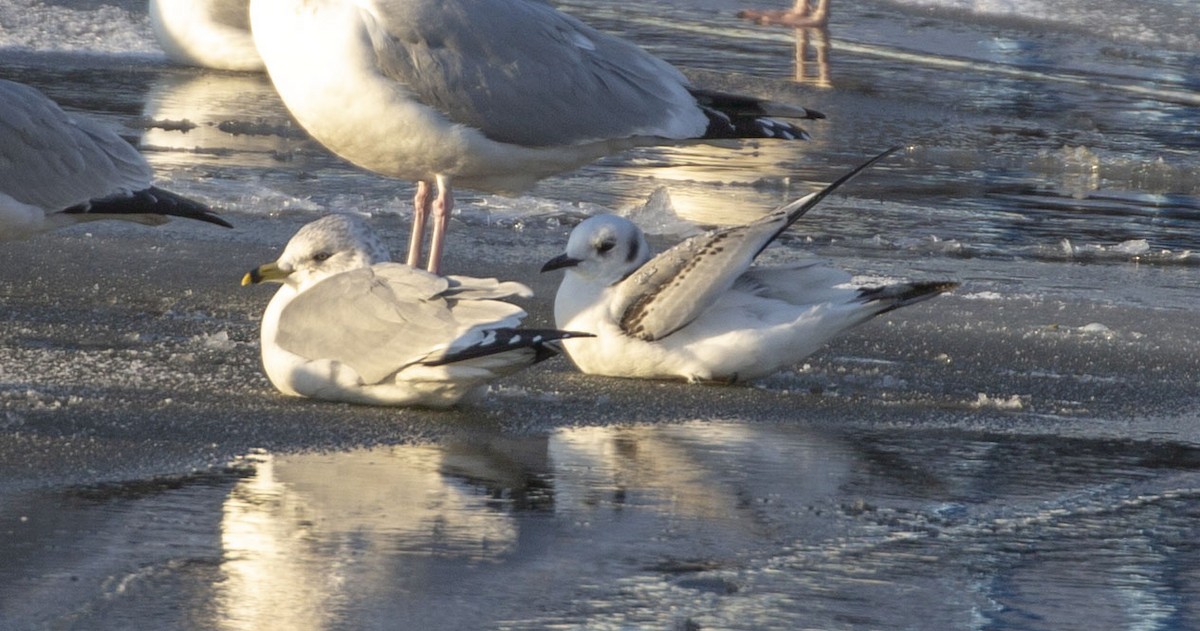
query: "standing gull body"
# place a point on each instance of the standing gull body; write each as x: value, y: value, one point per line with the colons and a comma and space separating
x: 347, y: 325
x: 206, y: 33
x: 59, y: 169
x: 699, y: 311
x: 492, y: 95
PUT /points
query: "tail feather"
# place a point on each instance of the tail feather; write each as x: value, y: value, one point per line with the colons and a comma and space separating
x: 541, y: 341
x: 892, y: 297
x: 150, y: 201
x: 737, y: 116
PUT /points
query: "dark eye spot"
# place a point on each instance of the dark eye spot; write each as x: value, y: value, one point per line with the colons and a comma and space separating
x: 633, y: 250
x: 321, y: 257
x: 605, y: 246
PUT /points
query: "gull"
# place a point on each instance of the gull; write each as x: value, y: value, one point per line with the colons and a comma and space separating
x: 699, y: 311
x: 800, y: 16
x: 59, y: 169
x: 349, y: 325
x: 492, y: 95
x: 206, y: 33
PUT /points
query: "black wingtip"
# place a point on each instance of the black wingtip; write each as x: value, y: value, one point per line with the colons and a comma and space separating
x: 541, y: 341
x: 738, y: 116
x: 177, y: 205
x: 151, y: 201
x: 804, y: 204
x: 722, y: 126
x: 904, y: 294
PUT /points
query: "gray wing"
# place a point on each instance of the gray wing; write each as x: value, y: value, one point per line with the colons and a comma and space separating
x: 380, y: 319
x: 524, y: 73
x: 675, y: 287
x: 800, y: 283
x: 54, y: 160
x: 474, y: 288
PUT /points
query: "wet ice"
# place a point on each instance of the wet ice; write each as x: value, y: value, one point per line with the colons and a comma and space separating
x: 1024, y: 452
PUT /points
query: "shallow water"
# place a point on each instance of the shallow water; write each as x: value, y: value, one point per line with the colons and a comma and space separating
x: 709, y: 524
x: 1019, y: 455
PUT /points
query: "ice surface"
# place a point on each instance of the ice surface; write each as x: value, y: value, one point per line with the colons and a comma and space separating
x: 1000, y: 457
x: 101, y: 29
x: 1164, y: 22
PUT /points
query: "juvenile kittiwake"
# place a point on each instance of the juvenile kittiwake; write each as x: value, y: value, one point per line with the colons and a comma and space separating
x: 699, y: 311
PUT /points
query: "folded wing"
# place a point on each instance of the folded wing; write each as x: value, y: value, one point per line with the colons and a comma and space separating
x: 57, y: 160
x: 675, y: 287
x: 524, y: 73
x: 381, y: 319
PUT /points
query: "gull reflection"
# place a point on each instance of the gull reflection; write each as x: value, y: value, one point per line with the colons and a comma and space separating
x: 311, y: 535
x: 197, y: 118
x: 702, y: 471
x: 308, y: 534
x: 814, y: 71
x: 713, y: 184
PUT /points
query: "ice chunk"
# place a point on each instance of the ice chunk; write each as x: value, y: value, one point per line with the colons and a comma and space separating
x: 657, y: 216
x: 1133, y: 246
x: 1097, y: 329
x: 218, y: 341
x: 983, y: 400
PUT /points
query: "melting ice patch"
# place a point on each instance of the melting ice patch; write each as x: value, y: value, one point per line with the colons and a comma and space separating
x: 1081, y: 171
x: 518, y: 212
x: 1138, y: 250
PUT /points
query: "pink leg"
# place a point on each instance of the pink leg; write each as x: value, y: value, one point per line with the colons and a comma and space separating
x: 441, y: 219
x: 421, y: 203
x: 799, y: 17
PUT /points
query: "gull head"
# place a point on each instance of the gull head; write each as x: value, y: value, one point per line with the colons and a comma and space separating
x: 604, y: 248
x: 330, y: 245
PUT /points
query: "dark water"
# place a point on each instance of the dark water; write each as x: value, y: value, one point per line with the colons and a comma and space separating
x: 710, y: 524
x: 1020, y: 455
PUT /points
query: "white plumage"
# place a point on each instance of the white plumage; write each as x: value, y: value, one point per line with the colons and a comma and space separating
x: 206, y: 33
x: 699, y: 311
x: 492, y: 95
x: 348, y: 325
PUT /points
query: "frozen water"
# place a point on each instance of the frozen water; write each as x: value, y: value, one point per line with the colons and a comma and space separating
x: 104, y: 28
x: 1006, y: 457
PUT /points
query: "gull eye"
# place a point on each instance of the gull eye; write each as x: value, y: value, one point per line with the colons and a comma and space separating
x: 605, y: 246
x: 321, y: 257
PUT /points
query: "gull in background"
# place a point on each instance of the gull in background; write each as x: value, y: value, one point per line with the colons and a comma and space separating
x: 206, y: 33
x: 492, y: 95
x: 59, y: 169
x: 348, y: 325
x: 801, y: 15
x: 699, y: 310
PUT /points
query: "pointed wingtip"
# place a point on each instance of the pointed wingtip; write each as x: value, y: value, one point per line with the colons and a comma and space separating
x: 148, y: 203
x: 798, y: 208
x: 541, y: 341
x: 904, y: 294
